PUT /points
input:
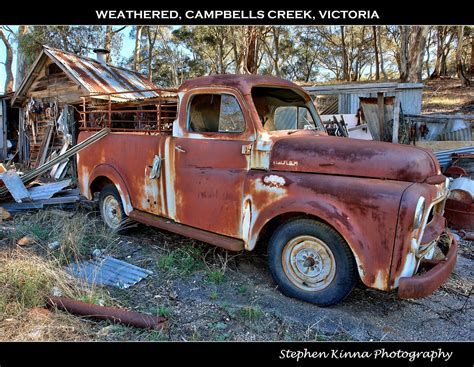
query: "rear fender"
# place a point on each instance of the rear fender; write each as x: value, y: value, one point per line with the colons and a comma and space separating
x: 108, y: 171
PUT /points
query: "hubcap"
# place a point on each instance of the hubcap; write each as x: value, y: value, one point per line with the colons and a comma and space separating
x: 111, y: 212
x: 308, y: 263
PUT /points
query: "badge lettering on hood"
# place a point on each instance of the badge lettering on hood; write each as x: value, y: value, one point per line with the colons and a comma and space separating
x: 285, y: 163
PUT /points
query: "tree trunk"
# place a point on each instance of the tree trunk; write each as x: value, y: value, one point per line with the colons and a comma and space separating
x: 442, y: 51
x: 345, y: 60
x: 238, y: 57
x: 136, y: 52
x: 460, y: 36
x: 379, y: 42
x: 439, y: 52
x: 151, y: 46
x: 238, y: 41
x: 416, y: 52
x: 376, y: 50
x: 109, y: 33
x: 276, y: 48
x: 8, y: 63
x: 471, y: 68
x: 221, y: 58
x: 21, y: 65
x: 459, y: 65
x: 404, y: 53
x: 427, y: 51
x: 251, y: 50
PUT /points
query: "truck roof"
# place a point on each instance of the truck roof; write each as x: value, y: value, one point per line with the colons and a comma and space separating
x: 243, y: 82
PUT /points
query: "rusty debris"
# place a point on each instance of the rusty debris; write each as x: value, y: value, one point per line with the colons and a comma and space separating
x: 464, y: 161
x: 459, y: 208
x: 38, y: 196
x: 113, y: 314
x: 26, y: 241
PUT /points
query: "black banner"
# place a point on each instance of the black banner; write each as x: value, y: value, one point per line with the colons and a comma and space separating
x: 301, y: 14
x: 271, y: 354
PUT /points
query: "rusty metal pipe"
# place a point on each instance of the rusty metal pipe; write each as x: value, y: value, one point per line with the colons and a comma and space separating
x: 114, y: 314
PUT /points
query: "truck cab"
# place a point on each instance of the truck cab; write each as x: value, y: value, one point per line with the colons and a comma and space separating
x: 246, y: 162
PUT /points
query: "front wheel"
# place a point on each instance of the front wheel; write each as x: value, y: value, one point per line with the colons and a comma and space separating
x: 311, y: 261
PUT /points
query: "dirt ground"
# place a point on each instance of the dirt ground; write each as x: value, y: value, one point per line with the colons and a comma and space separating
x: 447, y: 96
x: 206, y: 309
x: 211, y: 294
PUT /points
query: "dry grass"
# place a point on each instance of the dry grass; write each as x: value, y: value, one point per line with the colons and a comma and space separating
x: 31, y: 273
x: 27, y: 279
x: 77, y: 233
x: 54, y: 326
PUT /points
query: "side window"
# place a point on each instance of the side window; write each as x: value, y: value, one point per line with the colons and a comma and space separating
x: 292, y: 117
x: 215, y: 113
x: 285, y: 118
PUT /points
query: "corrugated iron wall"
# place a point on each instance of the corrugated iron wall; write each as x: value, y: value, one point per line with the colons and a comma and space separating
x: 410, y: 100
x: 444, y: 156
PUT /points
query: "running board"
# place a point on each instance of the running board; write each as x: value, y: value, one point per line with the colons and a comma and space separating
x: 228, y: 243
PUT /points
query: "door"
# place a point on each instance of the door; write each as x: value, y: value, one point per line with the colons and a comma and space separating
x: 211, y: 164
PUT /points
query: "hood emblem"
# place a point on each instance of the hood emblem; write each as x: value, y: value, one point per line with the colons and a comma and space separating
x: 285, y: 163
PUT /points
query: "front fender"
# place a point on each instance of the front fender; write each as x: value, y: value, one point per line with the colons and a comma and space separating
x: 363, y: 211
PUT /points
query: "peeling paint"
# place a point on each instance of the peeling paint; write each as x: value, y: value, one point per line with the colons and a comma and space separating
x: 274, y: 181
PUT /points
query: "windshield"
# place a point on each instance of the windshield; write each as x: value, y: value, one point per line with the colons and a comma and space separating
x: 284, y: 109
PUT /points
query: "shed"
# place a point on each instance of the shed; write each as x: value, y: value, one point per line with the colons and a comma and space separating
x: 50, y: 97
x: 67, y: 76
x: 348, y: 95
x: 8, y: 127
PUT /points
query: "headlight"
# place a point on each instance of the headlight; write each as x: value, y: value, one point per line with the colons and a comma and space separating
x: 419, y: 211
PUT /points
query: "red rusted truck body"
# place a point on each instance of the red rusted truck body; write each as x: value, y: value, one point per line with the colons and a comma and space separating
x: 233, y: 188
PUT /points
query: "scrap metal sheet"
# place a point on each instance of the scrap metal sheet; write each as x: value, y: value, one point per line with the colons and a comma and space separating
x: 106, y: 270
x: 47, y: 191
x: 15, y: 186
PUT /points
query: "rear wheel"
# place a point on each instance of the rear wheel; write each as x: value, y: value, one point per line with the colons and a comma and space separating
x: 310, y: 261
x: 111, y: 207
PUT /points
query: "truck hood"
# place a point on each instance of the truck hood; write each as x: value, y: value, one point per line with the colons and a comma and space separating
x: 352, y: 157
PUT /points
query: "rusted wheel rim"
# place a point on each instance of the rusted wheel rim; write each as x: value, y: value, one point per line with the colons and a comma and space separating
x: 308, y: 263
x: 111, y: 211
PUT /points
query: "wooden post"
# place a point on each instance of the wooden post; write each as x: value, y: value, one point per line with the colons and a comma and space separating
x: 3, y: 128
x: 380, y: 103
x: 110, y: 113
x: 84, y: 113
x: 396, y: 120
x: 158, y: 116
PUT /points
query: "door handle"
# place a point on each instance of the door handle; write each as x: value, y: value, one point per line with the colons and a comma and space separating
x: 179, y: 149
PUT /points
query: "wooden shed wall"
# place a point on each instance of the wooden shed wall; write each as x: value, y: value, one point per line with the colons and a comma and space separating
x: 55, y: 85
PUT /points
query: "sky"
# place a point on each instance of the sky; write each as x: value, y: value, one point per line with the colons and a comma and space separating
x: 128, y: 45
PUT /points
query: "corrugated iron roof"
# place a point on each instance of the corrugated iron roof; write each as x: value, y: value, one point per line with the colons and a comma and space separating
x: 98, y: 78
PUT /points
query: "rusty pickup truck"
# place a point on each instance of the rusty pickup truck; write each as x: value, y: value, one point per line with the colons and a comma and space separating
x: 240, y: 161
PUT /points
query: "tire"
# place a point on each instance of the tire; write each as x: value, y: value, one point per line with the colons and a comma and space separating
x: 111, y: 208
x: 310, y: 261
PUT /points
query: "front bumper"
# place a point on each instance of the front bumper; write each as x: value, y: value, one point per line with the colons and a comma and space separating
x: 423, y: 285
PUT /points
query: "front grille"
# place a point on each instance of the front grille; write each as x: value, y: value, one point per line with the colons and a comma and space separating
x: 431, y: 215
